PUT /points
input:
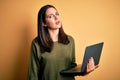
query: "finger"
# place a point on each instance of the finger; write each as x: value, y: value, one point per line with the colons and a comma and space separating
x: 88, y: 67
x: 96, y: 66
x: 91, y: 62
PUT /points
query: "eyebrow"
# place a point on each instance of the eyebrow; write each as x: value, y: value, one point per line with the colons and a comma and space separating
x: 51, y: 13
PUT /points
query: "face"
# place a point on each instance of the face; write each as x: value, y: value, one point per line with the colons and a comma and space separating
x: 52, y: 19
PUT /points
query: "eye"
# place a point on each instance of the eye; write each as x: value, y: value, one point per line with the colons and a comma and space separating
x: 50, y: 16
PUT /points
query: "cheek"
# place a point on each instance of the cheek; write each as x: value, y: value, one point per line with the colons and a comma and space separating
x: 50, y: 23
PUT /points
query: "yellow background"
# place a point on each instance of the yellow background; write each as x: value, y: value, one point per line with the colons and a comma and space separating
x: 88, y: 21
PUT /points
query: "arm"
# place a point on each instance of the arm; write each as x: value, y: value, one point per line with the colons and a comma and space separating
x: 73, y: 63
x: 34, y: 64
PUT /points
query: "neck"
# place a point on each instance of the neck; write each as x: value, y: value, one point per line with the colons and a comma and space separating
x: 54, y: 34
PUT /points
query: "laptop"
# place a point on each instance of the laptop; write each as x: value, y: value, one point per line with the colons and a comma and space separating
x: 94, y: 51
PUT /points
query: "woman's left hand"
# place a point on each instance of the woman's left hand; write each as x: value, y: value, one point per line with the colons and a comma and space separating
x: 91, y: 65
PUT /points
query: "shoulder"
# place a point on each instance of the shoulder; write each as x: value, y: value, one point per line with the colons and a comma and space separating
x: 71, y: 39
x: 35, y: 42
x: 35, y: 46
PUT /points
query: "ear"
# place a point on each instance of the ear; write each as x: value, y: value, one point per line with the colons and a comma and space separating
x: 43, y: 24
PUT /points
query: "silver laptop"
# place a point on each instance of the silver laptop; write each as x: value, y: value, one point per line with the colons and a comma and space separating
x: 90, y: 51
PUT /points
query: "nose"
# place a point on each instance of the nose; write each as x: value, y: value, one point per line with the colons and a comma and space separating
x: 55, y: 17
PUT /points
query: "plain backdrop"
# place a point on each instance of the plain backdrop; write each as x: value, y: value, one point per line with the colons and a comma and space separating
x: 88, y: 21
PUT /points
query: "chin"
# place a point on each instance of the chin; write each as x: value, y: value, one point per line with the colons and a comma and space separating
x: 57, y: 27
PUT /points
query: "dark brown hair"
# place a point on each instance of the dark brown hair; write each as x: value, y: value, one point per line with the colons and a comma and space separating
x: 44, y: 39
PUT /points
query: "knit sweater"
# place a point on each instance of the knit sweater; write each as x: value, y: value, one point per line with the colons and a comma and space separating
x: 47, y: 65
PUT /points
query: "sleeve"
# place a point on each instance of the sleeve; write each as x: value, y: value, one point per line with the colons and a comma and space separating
x: 34, y: 63
x: 73, y: 63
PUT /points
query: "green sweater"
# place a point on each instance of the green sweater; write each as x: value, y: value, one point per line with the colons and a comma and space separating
x: 47, y: 66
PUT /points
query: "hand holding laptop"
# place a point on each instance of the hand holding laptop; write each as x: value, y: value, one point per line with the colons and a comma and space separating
x: 91, y: 65
x: 90, y: 61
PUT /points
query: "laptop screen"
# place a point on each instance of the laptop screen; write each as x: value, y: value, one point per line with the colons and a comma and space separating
x: 92, y: 51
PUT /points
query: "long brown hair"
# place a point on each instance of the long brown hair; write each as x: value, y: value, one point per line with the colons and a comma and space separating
x: 44, y: 39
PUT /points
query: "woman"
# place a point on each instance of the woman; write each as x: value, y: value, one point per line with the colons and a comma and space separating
x: 52, y: 50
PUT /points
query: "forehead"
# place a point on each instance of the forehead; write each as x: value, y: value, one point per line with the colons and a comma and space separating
x: 51, y: 10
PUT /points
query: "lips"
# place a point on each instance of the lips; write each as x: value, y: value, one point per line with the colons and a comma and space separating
x: 57, y: 23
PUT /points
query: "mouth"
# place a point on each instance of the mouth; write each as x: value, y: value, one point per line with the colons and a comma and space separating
x: 57, y: 22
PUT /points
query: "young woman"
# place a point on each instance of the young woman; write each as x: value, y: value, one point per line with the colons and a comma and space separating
x: 52, y: 50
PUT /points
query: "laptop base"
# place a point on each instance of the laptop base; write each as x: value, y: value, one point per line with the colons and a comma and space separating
x: 73, y: 71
